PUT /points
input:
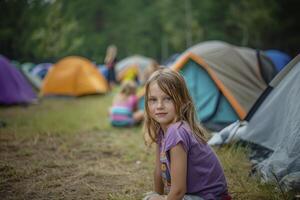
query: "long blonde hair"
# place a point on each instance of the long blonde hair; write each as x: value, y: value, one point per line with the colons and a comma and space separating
x: 172, y: 84
x: 128, y: 88
x: 111, y: 54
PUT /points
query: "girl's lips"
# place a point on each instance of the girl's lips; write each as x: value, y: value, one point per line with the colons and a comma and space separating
x: 160, y: 114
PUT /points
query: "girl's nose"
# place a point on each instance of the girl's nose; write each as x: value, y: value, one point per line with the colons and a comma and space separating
x: 160, y: 104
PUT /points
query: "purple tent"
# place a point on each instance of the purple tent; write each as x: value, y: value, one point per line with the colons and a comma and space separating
x: 14, y: 88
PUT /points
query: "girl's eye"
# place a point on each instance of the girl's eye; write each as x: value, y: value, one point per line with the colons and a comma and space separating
x: 152, y: 100
x: 168, y: 99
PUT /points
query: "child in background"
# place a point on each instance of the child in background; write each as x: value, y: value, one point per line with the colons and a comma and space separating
x: 110, y: 62
x: 186, y: 167
x: 124, y: 110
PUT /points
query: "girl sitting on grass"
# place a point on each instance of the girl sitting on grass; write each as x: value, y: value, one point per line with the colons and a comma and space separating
x: 186, y: 167
x: 124, y: 110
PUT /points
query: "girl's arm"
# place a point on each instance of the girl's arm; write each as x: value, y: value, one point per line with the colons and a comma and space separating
x: 178, y: 167
x: 158, y: 183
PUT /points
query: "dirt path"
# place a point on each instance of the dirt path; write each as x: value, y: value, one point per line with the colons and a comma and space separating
x: 85, y: 166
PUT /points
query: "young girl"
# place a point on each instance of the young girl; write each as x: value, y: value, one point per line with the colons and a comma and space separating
x: 124, y: 107
x: 186, y: 167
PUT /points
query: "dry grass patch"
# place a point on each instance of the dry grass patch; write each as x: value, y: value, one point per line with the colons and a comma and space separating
x: 51, y: 167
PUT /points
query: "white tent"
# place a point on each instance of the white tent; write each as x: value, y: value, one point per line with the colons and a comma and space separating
x: 275, y: 126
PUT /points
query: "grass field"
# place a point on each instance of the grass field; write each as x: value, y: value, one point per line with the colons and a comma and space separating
x: 66, y: 149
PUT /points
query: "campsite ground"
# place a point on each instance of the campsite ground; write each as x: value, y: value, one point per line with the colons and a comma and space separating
x: 66, y: 149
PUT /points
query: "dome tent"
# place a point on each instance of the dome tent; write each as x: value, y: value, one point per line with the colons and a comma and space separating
x: 73, y: 76
x: 14, y: 88
x: 279, y: 58
x: 224, y: 80
x: 133, y: 67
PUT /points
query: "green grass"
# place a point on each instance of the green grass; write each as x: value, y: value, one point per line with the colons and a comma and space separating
x: 58, y: 116
x: 66, y: 148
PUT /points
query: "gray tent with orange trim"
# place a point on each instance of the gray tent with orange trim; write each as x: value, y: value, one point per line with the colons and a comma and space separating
x: 74, y: 76
x: 224, y: 80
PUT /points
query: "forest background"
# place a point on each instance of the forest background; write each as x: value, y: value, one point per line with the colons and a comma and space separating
x: 47, y: 30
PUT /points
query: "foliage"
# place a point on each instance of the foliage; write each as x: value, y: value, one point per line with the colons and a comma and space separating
x: 39, y: 30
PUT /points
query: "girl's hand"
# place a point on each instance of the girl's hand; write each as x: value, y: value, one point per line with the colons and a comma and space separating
x: 158, y: 197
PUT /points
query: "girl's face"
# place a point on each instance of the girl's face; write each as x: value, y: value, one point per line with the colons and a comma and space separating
x: 161, y: 106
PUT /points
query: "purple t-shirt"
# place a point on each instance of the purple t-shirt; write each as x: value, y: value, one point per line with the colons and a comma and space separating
x: 205, y: 176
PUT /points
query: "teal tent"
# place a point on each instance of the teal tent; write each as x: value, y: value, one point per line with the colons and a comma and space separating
x: 224, y: 80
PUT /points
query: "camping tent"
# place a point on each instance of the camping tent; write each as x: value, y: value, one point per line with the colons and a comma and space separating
x: 103, y: 70
x: 132, y: 67
x: 41, y: 70
x: 14, y: 89
x: 74, y: 76
x: 275, y: 125
x: 26, y: 69
x: 282, y: 103
x: 279, y: 58
x: 224, y: 80
x: 273, y: 128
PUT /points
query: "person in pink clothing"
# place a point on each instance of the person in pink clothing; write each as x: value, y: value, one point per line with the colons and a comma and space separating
x: 124, y: 110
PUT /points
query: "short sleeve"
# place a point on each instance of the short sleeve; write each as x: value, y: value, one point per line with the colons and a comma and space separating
x: 175, y: 135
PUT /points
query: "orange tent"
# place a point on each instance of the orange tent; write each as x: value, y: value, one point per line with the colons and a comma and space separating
x: 74, y: 76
